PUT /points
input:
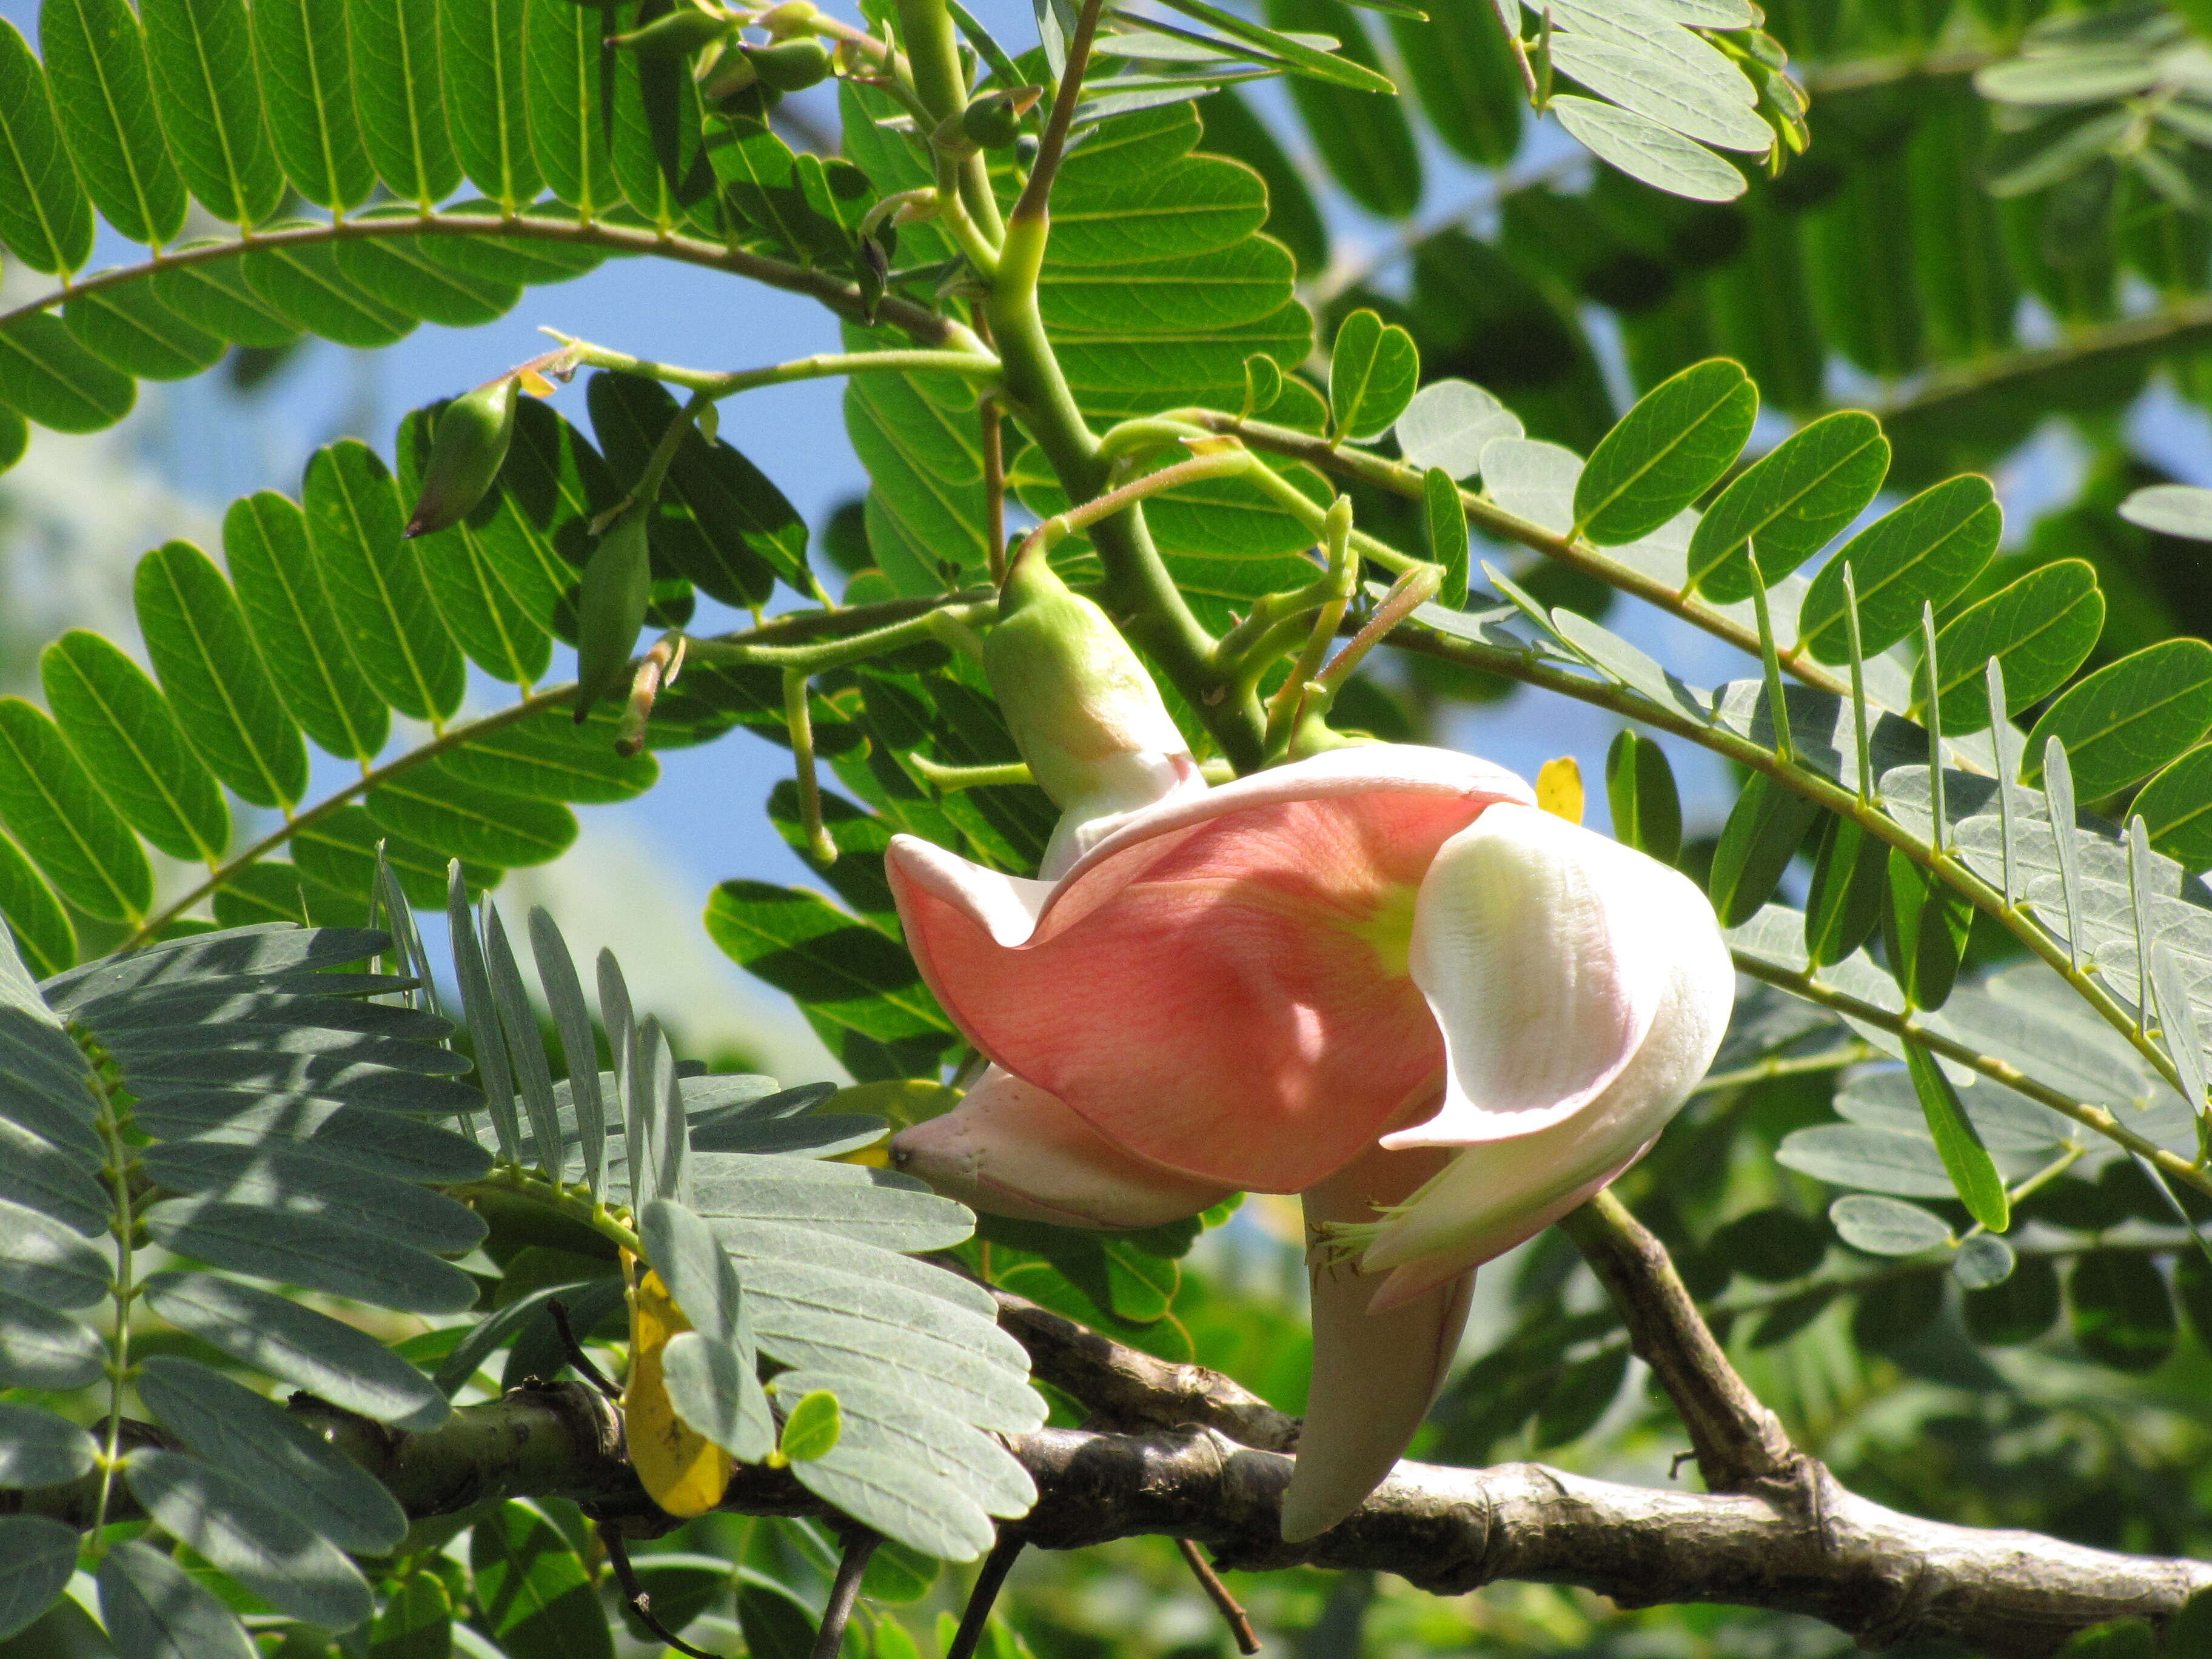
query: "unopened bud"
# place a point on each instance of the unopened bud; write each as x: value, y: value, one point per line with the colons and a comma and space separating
x: 610, y: 607
x: 791, y: 66
x: 872, y: 270
x: 679, y: 34
x: 995, y: 121
x: 465, y: 456
x: 1083, y: 713
x: 792, y: 17
x: 727, y: 76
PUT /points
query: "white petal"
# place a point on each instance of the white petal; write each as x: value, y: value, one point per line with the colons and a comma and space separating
x: 1545, y: 950
x: 1129, y: 783
x: 1012, y: 1148
x: 1007, y: 906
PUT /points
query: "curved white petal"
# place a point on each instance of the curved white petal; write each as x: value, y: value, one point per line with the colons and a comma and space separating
x: 1012, y: 1148
x: 1375, y: 1371
x: 1500, y: 1191
x: 1006, y: 906
x: 1127, y: 784
x: 1545, y: 952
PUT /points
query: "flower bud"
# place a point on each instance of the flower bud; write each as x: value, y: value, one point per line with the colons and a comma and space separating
x: 465, y: 455
x: 610, y: 607
x: 725, y: 76
x: 793, y: 66
x: 1085, y: 714
x: 995, y: 120
x: 679, y: 34
x: 789, y: 19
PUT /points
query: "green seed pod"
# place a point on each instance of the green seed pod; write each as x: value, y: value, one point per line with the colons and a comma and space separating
x: 1082, y: 709
x: 793, y: 66
x: 465, y: 455
x: 679, y: 34
x: 790, y: 18
x: 611, y: 608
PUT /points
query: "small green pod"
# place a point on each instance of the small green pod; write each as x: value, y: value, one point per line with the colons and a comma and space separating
x: 679, y: 34
x: 465, y: 455
x: 992, y: 122
x: 792, y: 66
x: 611, y: 608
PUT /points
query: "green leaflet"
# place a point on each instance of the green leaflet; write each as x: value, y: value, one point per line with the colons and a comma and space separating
x: 1372, y: 372
x: 1666, y: 452
x: 46, y: 374
x: 214, y: 297
x: 196, y: 635
x: 490, y: 625
x: 37, y: 1557
x: 549, y: 757
x: 2175, y: 807
x: 1363, y: 138
x: 839, y: 970
x: 154, y: 1606
x: 1762, y: 834
x: 401, y: 273
x: 553, y: 485
x: 15, y: 437
x: 265, y: 542
x: 201, y: 52
x: 34, y: 915
x: 2040, y: 628
x: 566, y: 74
x: 1784, y: 507
x: 299, y: 50
x: 466, y: 821
x: 95, y: 58
x: 765, y: 185
x: 536, y: 1597
x: 306, y: 284
x: 1924, y: 929
x: 1923, y: 552
x: 1844, y: 906
x: 1443, y: 519
x: 58, y: 815
x: 1151, y: 219
x: 375, y: 583
x: 1293, y: 220
x: 1641, y: 793
x: 45, y: 220
x: 718, y: 522
x: 2129, y: 718
x: 2123, y: 1313
x: 1463, y: 71
x: 918, y: 437
x: 118, y: 720
x: 129, y: 327
x: 393, y: 51
x: 417, y: 1620
x: 659, y: 144
x: 339, y: 851
x: 481, y: 58
x: 266, y: 1548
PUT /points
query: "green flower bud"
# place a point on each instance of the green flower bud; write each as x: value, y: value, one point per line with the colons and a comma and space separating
x: 610, y: 607
x: 1085, y: 714
x: 465, y: 455
x: 727, y: 76
x: 995, y: 121
x: 793, y: 66
x: 790, y: 18
x: 679, y: 34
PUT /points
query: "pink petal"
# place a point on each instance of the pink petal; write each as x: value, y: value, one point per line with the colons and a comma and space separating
x: 1376, y: 1372
x: 1011, y: 1149
x: 1212, y: 987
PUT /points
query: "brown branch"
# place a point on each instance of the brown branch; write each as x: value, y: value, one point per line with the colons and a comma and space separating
x: 1741, y: 1445
x: 1883, y: 1576
x: 1128, y: 1388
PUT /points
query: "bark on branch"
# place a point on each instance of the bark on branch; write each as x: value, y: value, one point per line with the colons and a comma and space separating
x: 1182, y: 1452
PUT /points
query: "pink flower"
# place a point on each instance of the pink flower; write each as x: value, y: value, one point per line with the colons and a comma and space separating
x: 1380, y: 978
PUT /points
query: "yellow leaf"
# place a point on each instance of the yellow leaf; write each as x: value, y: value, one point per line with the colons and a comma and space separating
x: 683, y: 1472
x: 536, y: 384
x: 1559, y: 788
